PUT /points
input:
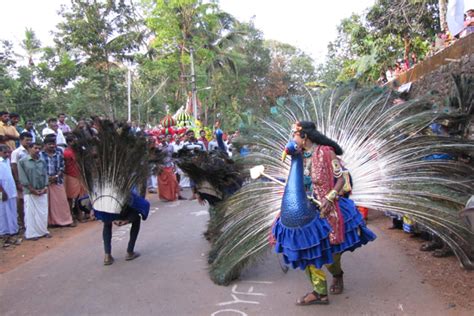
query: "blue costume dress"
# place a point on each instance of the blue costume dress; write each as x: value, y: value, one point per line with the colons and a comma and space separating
x: 303, y: 237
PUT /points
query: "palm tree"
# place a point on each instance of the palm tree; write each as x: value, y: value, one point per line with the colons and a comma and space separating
x: 201, y: 26
x: 31, y: 44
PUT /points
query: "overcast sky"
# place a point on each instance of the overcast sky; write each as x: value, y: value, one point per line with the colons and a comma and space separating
x: 307, y: 24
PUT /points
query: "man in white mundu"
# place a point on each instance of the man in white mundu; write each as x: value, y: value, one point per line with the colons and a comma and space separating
x: 34, y: 179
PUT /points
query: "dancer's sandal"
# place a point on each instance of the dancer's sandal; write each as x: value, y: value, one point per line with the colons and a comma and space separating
x: 337, y: 286
x: 317, y: 299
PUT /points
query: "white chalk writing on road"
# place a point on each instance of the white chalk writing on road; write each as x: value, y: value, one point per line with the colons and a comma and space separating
x: 200, y: 213
x: 119, y: 234
x: 236, y: 300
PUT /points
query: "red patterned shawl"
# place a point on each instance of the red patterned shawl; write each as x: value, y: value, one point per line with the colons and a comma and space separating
x: 323, y: 182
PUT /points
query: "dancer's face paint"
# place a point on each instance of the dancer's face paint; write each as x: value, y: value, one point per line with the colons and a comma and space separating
x: 298, y: 140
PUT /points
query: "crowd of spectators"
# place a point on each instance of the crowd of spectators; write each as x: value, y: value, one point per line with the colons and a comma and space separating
x: 168, y: 179
x: 40, y: 182
x: 439, y: 43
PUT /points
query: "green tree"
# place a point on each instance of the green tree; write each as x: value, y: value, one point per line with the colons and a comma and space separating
x: 100, y: 35
x: 28, y: 98
x: 367, y: 44
x: 8, y: 84
x: 56, y: 71
x: 236, y: 98
x: 32, y: 45
x: 20, y: 89
x: 407, y: 20
x: 182, y: 25
x: 290, y: 69
x: 178, y: 26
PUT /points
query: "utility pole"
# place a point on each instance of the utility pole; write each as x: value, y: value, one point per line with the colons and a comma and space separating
x: 129, y: 88
x: 193, y: 84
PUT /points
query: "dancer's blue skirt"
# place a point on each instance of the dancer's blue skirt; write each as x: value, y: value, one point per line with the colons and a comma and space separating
x: 309, y: 244
x: 136, y: 204
x: 305, y: 245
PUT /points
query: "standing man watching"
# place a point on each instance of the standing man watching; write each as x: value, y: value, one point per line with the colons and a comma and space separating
x: 18, y: 154
x: 203, y: 139
x: 53, y: 128
x: 168, y: 187
x: 62, y: 124
x: 8, y: 133
x: 59, y: 212
x: 192, y: 142
x: 33, y: 178
x: 8, y: 213
x: 14, y: 120
x: 30, y: 128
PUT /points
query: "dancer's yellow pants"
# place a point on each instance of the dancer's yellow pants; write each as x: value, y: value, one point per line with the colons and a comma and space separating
x: 317, y: 276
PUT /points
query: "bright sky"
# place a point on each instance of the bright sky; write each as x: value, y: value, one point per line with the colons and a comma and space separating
x: 306, y: 24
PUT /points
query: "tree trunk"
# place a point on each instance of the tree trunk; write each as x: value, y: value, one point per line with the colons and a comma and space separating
x: 108, y: 93
x: 407, y: 44
x: 182, y: 76
x: 443, y: 4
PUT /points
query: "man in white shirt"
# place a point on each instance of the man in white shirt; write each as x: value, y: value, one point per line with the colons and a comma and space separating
x: 177, y: 144
x: 53, y: 128
x: 213, y: 143
x: 62, y: 124
x: 18, y: 154
x: 22, y: 151
x: 8, y: 212
x: 192, y: 143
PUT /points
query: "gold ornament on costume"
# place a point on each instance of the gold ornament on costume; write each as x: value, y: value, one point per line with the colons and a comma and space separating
x: 331, y: 196
x: 347, y: 182
x: 336, y: 167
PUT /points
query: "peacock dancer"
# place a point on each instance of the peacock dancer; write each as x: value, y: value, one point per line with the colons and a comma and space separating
x: 384, y: 150
x: 215, y: 174
x: 113, y: 168
x: 305, y: 240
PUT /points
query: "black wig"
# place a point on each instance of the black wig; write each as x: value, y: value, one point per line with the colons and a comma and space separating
x: 308, y: 129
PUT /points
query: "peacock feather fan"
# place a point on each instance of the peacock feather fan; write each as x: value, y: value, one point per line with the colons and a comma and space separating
x: 392, y: 161
x: 112, y: 163
x: 214, y: 167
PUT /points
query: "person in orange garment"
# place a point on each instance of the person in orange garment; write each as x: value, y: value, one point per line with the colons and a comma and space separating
x: 168, y: 187
x: 72, y: 178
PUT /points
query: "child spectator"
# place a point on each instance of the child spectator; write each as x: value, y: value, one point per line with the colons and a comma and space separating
x: 468, y: 23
